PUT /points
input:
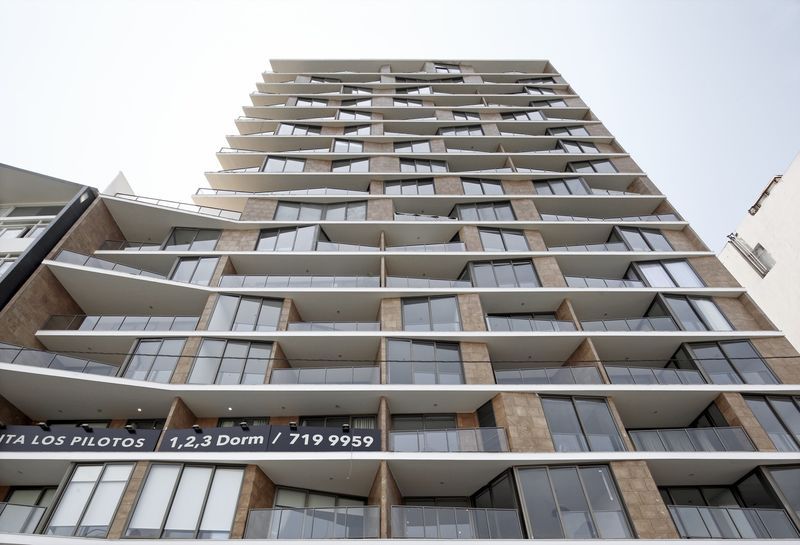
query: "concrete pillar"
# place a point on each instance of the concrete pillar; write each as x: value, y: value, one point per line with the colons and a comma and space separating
x: 259, y: 209
x: 471, y: 311
x: 648, y: 514
x: 476, y: 363
x: 522, y: 416
x: 257, y: 492
x: 390, y: 314
x: 385, y: 493
x: 736, y: 412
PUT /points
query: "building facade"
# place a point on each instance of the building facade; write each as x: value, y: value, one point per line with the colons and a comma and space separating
x: 763, y: 254
x: 421, y: 300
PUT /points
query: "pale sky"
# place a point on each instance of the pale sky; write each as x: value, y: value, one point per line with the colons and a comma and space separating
x: 703, y: 94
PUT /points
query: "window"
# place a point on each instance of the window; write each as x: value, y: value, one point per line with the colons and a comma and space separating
x: 572, y: 502
x: 554, y: 103
x: 503, y: 274
x: 303, y: 102
x: 422, y: 165
x: 368, y: 422
x: 443, y: 68
x: 89, y: 501
x: 466, y: 116
x: 13, y: 231
x: 196, y: 240
x: 348, y: 90
x: 523, y: 116
x: 287, y: 239
x: 154, y: 360
x: 431, y: 314
x: 564, y: 186
x: 283, y: 164
x: 409, y: 187
x: 423, y: 362
x: 762, y: 254
x: 780, y: 418
x: 466, y: 130
x: 539, y: 91
x: 567, y: 131
x: 357, y: 130
x: 299, y: 499
x: 222, y: 361
x: 232, y: 313
x: 350, y: 165
x: 473, y: 186
x: 668, y: 274
x: 503, y: 240
x: 537, y: 81
x: 417, y: 422
x: 644, y: 240
x: 787, y: 480
x: 186, y: 502
x: 491, y: 211
x: 581, y: 424
x: 38, y: 496
x: 298, y: 130
x: 194, y: 270
x: 317, y: 79
x: 303, y: 211
x: 26, y: 211
x: 347, y: 146
x: 407, y: 103
x: 251, y: 421
x: 728, y: 362
x: 572, y: 146
x: 416, y: 146
x: 357, y: 103
x: 414, y: 91
x: 527, y: 321
x: 697, y: 313
x: 353, y: 115
x: 603, y: 166
x: 147, y: 423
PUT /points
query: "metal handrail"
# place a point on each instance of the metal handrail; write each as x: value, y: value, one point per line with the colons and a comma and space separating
x: 445, y: 247
x: 209, y: 211
x: 407, y: 216
x: 362, y: 522
x: 654, y: 217
x: 488, y: 439
x: 20, y: 355
x: 83, y: 322
x: 429, y: 522
x: 603, y: 247
x: 583, y: 374
x: 326, y: 375
x: 74, y: 258
x: 713, y: 439
x: 297, y: 281
x: 660, y: 323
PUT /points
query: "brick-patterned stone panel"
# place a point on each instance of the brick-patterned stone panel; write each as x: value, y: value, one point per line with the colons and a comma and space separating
x: 549, y: 272
x: 737, y: 314
x: 713, y: 272
x: 380, y: 210
x: 781, y: 357
x: 257, y: 491
x: 238, y: 240
x: 477, y: 363
x: 472, y: 317
x: 471, y: 238
x: 535, y: 240
x: 258, y: 209
x: 736, y: 412
x: 391, y: 317
x: 648, y: 514
x: 522, y: 416
x: 525, y: 210
x: 448, y: 185
x: 518, y: 187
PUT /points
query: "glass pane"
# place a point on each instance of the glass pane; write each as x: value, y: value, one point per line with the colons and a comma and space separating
x: 564, y: 425
x: 572, y: 503
x: 788, y: 412
x: 635, y: 240
x: 153, y: 501
x: 598, y: 425
x: 712, y: 315
x: 788, y: 481
x: 224, y: 312
x: 683, y: 274
x: 748, y: 362
x: 492, y: 241
x: 247, y: 314
x: 187, y: 503
x: 444, y: 314
x: 655, y: 275
x: 712, y: 361
x: 780, y: 437
x: 205, y: 270
x: 415, y: 315
x: 221, y: 504
x: 656, y: 240
x: 515, y: 241
x: 685, y: 314
x: 605, y: 504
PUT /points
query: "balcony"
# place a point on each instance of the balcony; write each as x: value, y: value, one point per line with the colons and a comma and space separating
x: 297, y: 192
x: 334, y: 326
x: 654, y: 217
x: 65, y: 256
x: 407, y: 282
x: 521, y: 323
x: 661, y: 323
x: 19, y: 519
x: 411, y: 522
x: 400, y: 216
x: 82, y: 322
x: 731, y: 439
x: 590, y: 282
x: 128, y: 246
x: 549, y: 375
x: 299, y: 281
x: 731, y: 523
x: 603, y: 247
x: 450, y: 440
x: 314, y: 523
x: 326, y: 375
x: 342, y: 247
x: 10, y: 353
x: 217, y: 212
x: 446, y: 247
x: 618, y: 374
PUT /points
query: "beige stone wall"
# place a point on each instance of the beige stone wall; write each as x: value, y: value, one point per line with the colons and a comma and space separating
x: 597, y: 129
x: 258, y: 209
x: 625, y: 164
x: 713, y: 272
x: 648, y: 514
x: 477, y: 363
x: 471, y: 311
x: 11, y: 415
x: 565, y: 311
x: 737, y: 413
x: 535, y: 240
x: 737, y: 314
x: 685, y: 240
x: 180, y: 416
x: 490, y: 129
x: 549, y: 272
x: 518, y: 187
x: 257, y: 491
x: 522, y: 416
x: 184, y: 366
x: 317, y: 165
x: 380, y: 210
x: 643, y: 186
x: 126, y: 504
x: 781, y: 357
x: 448, y: 185
x: 385, y: 493
x: 525, y: 210
x: 238, y: 240
x: 471, y: 238
x: 289, y: 314
x: 586, y: 355
x: 376, y: 187
x: 384, y: 164
x: 390, y: 314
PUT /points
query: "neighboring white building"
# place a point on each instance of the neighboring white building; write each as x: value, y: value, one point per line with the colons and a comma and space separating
x: 764, y: 252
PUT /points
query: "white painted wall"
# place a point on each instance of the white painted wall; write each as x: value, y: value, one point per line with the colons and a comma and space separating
x: 776, y: 226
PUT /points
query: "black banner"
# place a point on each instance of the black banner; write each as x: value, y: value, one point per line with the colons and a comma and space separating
x: 69, y: 439
x: 306, y: 439
x: 216, y: 440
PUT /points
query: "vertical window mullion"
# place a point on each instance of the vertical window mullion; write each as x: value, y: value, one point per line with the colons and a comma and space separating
x: 595, y: 527
x: 171, y: 501
x: 90, y: 496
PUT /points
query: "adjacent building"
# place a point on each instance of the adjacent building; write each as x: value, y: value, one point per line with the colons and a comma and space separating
x: 763, y: 254
x: 421, y: 300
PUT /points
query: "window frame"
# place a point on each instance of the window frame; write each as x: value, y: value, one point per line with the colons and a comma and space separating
x: 573, y: 166
x: 428, y: 299
x: 196, y: 231
x: 663, y: 300
x: 552, y: 131
x: 240, y: 298
x: 299, y: 130
x: 279, y: 230
x: 349, y: 144
x: 537, y: 184
x: 476, y: 206
x: 503, y: 232
x: 431, y: 164
x: 435, y: 345
x: 197, y: 260
x: 358, y: 130
x: 397, y: 146
x: 353, y: 115
x: 349, y: 163
x: 219, y: 359
x: 461, y: 130
x: 286, y: 161
x: 483, y: 184
x: 470, y: 270
x: 789, y: 431
x: 415, y: 182
x: 688, y: 350
x: 524, y: 115
x: 313, y: 102
x: 407, y: 103
x: 133, y: 353
x: 571, y: 399
x: 636, y: 267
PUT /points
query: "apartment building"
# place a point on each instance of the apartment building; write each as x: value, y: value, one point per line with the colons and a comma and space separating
x: 421, y: 300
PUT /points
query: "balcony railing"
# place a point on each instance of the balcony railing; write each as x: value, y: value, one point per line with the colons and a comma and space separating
x: 611, y: 192
x: 323, y: 246
x: 66, y: 256
x: 619, y: 374
x: 334, y: 326
x: 19, y: 519
x: 412, y: 522
x: 218, y: 212
x: 450, y: 440
x: 320, y: 523
x: 298, y: 281
x: 589, y: 282
x: 653, y: 217
x: 406, y: 282
x: 401, y: 216
x: 326, y: 375
x: 722, y: 439
x: 82, y: 322
x: 511, y: 323
x: 128, y: 246
x: 446, y: 247
x: 732, y: 523
x: 660, y: 323
x: 549, y: 375
x: 10, y: 353
x: 312, y: 192
x: 425, y: 372
x: 602, y: 247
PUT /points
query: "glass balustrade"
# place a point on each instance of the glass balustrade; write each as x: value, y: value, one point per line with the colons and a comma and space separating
x: 450, y: 440
x: 298, y: 192
x: 549, y: 375
x: 128, y: 246
x: 82, y: 322
x: 721, y: 439
x: 602, y: 247
x: 207, y: 210
x: 19, y: 355
x: 619, y: 374
x: 405, y: 282
x: 334, y: 326
x: 660, y: 323
x: 446, y: 247
x: 73, y: 258
x: 299, y: 281
x: 412, y: 522
x: 731, y: 523
x: 655, y: 217
x: 323, y: 246
x: 401, y: 216
x: 589, y: 282
x: 19, y: 519
x: 514, y: 323
x: 314, y: 523
x: 326, y: 375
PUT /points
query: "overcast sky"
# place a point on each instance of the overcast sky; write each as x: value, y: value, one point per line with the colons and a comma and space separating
x: 703, y: 94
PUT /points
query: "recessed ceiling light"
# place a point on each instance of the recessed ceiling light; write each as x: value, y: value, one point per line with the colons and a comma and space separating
x: 138, y: 409
x: 230, y: 408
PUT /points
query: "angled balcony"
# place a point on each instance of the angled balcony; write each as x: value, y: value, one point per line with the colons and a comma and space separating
x: 719, y: 439
x: 326, y: 375
x: 450, y: 440
x: 423, y: 522
x: 731, y: 523
x: 314, y: 523
x: 585, y: 374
